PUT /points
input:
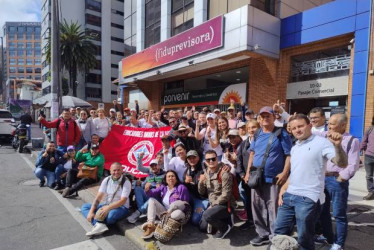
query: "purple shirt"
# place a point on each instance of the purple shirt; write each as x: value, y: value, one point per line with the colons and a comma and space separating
x: 367, y: 143
x: 353, y: 158
x: 178, y: 193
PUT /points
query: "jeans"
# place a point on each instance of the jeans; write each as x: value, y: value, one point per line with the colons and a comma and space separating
x: 218, y: 216
x: 141, y: 199
x: 41, y: 173
x: 245, y: 195
x: 302, y: 210
x: 369, y: 168
x: 81, y: 144
x: 58, y: 172
x: 336, y: 193
x: 28, y: 132
x: 113, y: 216
x: 198, y: 206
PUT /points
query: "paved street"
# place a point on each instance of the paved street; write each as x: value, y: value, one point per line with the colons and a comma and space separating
x: 38, y: 218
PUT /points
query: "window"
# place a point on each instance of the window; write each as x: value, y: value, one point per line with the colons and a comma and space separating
x: 38, y: 61
x: 21, y: 70
x: 181, y: 16
x: 38, y: 70
x: 29, y: 52
x: 12, y: 61
x: 93, y: 92
x: 29, y: 30
x: 29, y: 61
x: 114, y: 66
x: 37, y: 34
x: 93, y: 20
x: 37, y: 45
x: 117, y: 39
x: 93, y: 78
x: 118, y: 53
x: 28, y: 45
x: 12, y: 36
x: 28, y: 70
x: 93, y: 34
x: 130, y: 27
x: 20, y: 52
x: 93, y: 5
x: 12, y: 52
x: 117, y: 12
x: 12, y: 45
x: 38, y: 78
x: 21, y: 61
x: 116, y: 25
x: 12, y: 29
x: 37, y: 52
x: 98, y: 65
x: 12, y: 77
x: 20, y: 36
x: 47, y: 90
x: 20, y: 30
x: 21, y: 77
x: 20, y: 45
x: 152, y: 22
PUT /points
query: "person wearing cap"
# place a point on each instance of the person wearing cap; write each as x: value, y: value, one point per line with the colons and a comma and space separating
x: 166, y: 140
x: 155, y: 176
x: 112, y: 113
x: 242, y: 130
x: 101, y: 125
x: 208, y: 135
x: 94, y: 159
x: 276, y: 170
x: 69, y: 162
x: 189, y: 142
x: 231, y: 154
x: 191, y: 180
x: 247, y: 114
x: 115, y: 190
x: 46, y: 163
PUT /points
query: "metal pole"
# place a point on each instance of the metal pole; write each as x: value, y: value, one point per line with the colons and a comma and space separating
x: 55, y: 80
x: 2, y: 68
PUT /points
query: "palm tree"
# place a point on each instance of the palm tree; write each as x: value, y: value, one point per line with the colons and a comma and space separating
x: 77, y: 52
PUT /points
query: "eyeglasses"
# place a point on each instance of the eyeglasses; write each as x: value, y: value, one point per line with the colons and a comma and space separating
x: 211, y: 159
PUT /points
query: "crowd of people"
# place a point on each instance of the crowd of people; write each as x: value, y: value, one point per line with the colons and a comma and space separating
x: 288, y: 170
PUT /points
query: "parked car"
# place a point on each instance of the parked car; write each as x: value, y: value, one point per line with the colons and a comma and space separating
x: 6, y: 122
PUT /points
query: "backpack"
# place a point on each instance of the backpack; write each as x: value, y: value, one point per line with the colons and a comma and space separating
x: 235, y: 187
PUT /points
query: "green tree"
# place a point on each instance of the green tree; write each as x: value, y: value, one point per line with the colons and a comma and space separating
x: 77, y: 52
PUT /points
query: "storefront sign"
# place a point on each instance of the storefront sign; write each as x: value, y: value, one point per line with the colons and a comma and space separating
x: 336, y: 86
x: 202, y: 38
x: 236, y: 92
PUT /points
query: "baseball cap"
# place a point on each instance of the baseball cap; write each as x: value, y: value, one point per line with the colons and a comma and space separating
x: 112, y: 110
x: 211, y: 115
x: 231, y: 107
x: 71, y: 147
x: 154, y: 161
x: 183, y: 127
x: 192, y: 153
x: 249, y: 111
x: 78, y: 108
x: 216, y: 110
x: 126, y: 109
x: 132, y: 110
x: 184, y: 117
x: 95, y: 146
x: 233, y: 132
x: 266, y: 109
x: 240, y: 124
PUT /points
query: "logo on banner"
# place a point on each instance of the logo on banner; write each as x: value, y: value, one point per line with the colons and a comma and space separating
x: 145, y: 147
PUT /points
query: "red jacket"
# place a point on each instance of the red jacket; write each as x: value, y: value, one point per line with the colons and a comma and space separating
x: 71, y: 136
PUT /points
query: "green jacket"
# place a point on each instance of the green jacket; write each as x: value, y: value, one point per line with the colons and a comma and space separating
x: 91, y: 161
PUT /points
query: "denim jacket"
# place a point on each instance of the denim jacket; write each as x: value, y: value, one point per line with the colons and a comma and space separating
x: 42, y: 162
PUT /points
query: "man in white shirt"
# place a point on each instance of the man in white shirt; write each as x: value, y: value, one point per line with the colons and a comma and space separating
x: 116, y: 189
x: 302, y: 195
x: 318, y: 120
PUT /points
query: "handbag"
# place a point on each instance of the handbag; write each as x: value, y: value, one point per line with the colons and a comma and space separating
x: 85, y: 171
x: 256, y: 174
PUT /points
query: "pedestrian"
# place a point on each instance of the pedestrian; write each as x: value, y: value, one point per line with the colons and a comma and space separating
x: 318, y: 119
x: 301, y: 197
x: 101, y: 124
x: 176, y: 163
x: 86, y: 126
x: 27, y: 120
x: 367, y: 145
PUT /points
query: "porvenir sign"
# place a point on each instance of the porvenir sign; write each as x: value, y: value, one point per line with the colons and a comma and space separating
x: 199, y: 39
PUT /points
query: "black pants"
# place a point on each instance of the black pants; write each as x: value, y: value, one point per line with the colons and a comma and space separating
x: 218, y: 216
x: 72, y: 178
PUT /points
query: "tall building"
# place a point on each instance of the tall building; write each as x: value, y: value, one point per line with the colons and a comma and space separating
x: 103, y: 21
x: 307, y: 53
x: 23, y: 55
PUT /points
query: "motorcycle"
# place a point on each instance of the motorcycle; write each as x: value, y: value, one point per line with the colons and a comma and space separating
x: 20, y: 139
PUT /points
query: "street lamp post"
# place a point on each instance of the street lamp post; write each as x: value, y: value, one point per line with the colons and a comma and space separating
x: 2, y: 65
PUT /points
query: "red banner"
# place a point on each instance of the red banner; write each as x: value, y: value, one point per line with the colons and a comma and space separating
x: 202, y: 38
x: 124, y: 144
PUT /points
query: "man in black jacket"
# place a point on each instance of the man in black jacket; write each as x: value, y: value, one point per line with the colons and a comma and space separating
x: 27, y: 119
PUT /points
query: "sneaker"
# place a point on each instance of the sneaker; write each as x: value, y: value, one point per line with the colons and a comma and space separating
x: 149, y: 231
x: 98, y: 229
x: 242, y: 215
x: 259, y: 241
x: 209, y: 229
x: 369, y: 196
x: 336, y: 247
x: 133, y: 217
x: 223, y: 233
x: 66, y: 192
x: 246, y: 225
x: 320, y: 240
x: 41, y: 183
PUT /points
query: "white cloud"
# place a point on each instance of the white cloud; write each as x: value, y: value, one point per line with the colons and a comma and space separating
x: 19, y: 11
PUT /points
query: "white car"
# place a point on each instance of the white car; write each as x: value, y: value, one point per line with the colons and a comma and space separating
x: 6, y: 122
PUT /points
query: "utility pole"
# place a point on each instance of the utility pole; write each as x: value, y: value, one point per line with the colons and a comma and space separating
x: 55, y: 64
x: 2, y: 68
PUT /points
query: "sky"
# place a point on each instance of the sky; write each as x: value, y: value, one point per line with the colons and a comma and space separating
x: 19, y: 11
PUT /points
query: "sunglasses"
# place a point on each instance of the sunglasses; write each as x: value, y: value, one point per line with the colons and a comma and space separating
x: 211, y: 159
x: 71, y: 151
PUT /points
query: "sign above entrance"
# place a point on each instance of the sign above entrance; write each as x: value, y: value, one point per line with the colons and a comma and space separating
x: 335, y: 86
x: 199, y: 39
x: 236, y: 92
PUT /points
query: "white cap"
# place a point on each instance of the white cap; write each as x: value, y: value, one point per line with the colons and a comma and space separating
x: 112, y: 110
x: 154, y: 161
x: 211, y: 115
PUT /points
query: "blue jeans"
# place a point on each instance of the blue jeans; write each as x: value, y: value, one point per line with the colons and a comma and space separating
x: 336, y: 194
x: 369, y: 168
x: 58, y: 172
x: 41, y: 173
x: 28, y: 132
x: 113, y: 216
x: 302, y: 210
x: 245, y: 195
x: 198, y: 206
x: 141, y: 199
